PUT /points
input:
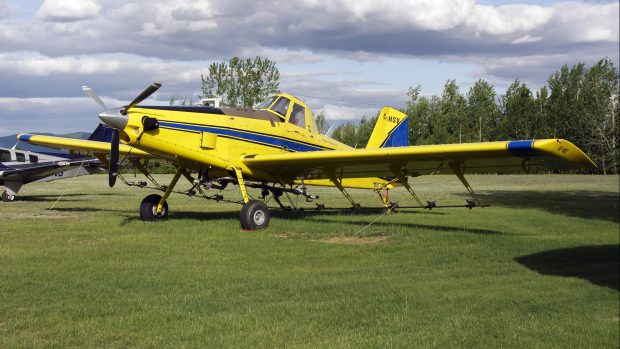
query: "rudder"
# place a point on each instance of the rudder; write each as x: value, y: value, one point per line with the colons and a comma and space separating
x: 103, y: 133
x: 391, y: 129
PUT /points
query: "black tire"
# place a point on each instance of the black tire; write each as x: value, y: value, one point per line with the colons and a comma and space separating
x: 148, y: 208
x: 6, y: 197
x: 254, y: 215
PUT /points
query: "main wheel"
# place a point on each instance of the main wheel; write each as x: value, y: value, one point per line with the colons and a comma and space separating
x: 254, y: 215
x: 6, y: 197
x: 148, y: 209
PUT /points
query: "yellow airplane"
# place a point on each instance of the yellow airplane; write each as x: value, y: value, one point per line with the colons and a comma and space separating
x: 277, y: 147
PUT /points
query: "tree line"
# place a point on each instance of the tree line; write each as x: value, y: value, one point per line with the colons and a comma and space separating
x: 579, y: 103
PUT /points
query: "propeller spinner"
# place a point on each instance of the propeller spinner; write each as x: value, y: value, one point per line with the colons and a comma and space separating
x: 117, y: 119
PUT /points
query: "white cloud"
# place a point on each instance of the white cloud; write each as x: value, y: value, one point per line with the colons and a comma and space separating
x: 337, y: 112
x: 68, y: 10
x: 5, y: 9
x: 509, y: 19
x: 526, y: 39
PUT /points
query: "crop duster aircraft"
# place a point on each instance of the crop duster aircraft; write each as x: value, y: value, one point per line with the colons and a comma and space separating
x: 277, y: 147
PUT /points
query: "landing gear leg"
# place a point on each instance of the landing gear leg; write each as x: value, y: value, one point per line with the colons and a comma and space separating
x: 254, y: 213
x: 11, y: 189
x: 154, y: 207
x: 6, y: 197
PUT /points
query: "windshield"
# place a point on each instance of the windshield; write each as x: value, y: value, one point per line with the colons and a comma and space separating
x: 265, y: 104
x: 281, y: 106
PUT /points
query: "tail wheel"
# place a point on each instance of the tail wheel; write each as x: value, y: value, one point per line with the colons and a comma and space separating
x: 6, y: 197
x: 148, y: 209
x: 254, y: 215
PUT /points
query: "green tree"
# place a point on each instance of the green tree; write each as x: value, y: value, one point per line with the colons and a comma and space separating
x: 449, y: 123
x: 321, y: 123
x: 347, y: 134
x: 599, y: 97
x: 241, y: 82
x: 419, y: 111
x: 482, y: 111
x: 355, y: 135
x: 564, y: 104
x: 364, y: 130
x: 519, y: 119
x: 583, y: 107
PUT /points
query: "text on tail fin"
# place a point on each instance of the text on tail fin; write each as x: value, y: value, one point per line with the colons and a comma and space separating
x: 391, y: 129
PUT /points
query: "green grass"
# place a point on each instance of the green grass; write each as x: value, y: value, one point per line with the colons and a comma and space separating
x: 538, y: 268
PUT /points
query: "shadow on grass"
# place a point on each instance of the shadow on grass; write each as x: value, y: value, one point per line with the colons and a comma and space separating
x: 319, y: 217
x: 424, y: 226
x: 578, y: 203
x: 89, y: 209
x: 54, y: 197
x: 316, y: 216
x: 51, y: 198
x: 596, y: 264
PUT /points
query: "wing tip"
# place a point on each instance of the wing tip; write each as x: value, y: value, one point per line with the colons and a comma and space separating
x: 567, y: 151
x: 24, y: 137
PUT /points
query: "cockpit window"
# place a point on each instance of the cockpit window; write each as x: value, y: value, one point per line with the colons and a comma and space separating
x: 281, y: 106
x: 298, y: 116
x: 5, y: 155
x: 20, y: 157
x: 267, y: 103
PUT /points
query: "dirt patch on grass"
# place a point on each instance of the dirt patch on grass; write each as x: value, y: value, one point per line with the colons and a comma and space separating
x: 356, y: 240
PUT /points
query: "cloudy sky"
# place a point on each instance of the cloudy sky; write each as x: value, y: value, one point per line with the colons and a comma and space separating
x: 347, y: 57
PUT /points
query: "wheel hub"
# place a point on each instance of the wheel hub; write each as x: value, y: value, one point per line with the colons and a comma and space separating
x: 259, y: 217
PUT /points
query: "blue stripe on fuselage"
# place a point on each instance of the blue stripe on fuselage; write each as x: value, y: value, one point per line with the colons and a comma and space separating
x: 253, y: 137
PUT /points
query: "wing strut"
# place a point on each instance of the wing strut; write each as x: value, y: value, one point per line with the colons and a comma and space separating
x: 403, y: 180
x: 459, y: 170
x: 338, y: 185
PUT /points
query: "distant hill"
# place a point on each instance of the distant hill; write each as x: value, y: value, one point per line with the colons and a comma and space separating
x: 9, y: 141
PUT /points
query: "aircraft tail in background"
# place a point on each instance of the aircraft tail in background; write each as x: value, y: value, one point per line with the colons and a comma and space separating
x: 103, y: 133
x: 391, y: 130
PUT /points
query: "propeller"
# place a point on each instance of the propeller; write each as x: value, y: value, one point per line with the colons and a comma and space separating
x: 91, y: 93
x: 142, y: 96
x: 118, y: 122
x: 113, y: 170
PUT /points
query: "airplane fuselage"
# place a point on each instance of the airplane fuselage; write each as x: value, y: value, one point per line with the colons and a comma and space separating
x: 216, y: 139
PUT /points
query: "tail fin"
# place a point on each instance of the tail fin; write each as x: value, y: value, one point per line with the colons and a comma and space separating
x: 103, y: 133
x: 391, y: 130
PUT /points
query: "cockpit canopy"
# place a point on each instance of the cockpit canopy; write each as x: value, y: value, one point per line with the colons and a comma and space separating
x: 291, y: 110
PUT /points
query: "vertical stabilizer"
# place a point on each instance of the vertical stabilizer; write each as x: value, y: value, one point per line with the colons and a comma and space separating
x: 103, y: 133
x: 391, y: 130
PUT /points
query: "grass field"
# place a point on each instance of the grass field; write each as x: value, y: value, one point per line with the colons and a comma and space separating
x: 538, y: 268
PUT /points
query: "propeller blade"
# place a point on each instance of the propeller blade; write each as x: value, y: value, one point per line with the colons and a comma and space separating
x: 113, y: 158
x: 91, y: 93
x: 144, y: 95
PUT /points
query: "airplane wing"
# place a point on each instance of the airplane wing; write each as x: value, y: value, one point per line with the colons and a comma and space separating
x: 35, y: 172
x: 488, y: 157
x: 81, y: 145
